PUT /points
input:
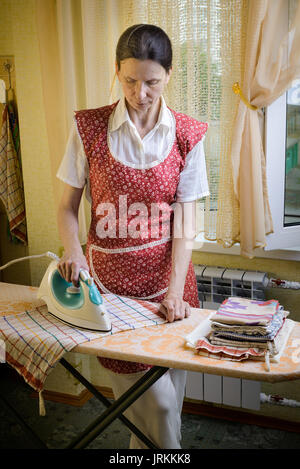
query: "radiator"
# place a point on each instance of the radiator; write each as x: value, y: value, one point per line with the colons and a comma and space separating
x: 215, y: 284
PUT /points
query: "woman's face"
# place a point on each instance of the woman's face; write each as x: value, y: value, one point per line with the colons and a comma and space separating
x: 143, y: 82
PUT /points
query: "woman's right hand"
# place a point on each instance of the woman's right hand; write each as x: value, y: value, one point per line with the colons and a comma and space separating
x: 70, y: 265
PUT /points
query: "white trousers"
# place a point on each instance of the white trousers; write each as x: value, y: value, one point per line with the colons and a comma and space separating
x: 157, y: 412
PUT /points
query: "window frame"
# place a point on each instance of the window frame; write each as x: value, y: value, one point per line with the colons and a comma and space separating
x: 287, y: 237
x: 284, y: 242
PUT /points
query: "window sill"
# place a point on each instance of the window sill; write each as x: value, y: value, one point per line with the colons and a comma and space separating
x: 203, y: 245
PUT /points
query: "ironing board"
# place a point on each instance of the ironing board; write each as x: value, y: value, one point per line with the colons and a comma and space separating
x: 162, y: 346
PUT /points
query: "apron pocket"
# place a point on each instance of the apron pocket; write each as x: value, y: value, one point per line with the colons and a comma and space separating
x: 138, y: 272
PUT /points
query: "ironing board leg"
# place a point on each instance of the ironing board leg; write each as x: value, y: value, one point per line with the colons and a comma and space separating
x: 106, y: 402
x: 114, y: 410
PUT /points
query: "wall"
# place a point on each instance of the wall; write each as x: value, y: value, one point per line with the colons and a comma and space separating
x: 18, y: 37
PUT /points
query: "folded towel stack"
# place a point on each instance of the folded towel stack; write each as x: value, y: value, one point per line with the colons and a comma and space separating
x: 242, y: 328
x: 241, y: 322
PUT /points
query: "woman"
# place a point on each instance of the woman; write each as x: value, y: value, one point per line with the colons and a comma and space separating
x: 138, y: 159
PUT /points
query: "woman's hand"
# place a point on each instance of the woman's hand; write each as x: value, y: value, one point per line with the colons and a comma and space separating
x: 174, y: 307
x: 73, y: 259
x: 69, y: 266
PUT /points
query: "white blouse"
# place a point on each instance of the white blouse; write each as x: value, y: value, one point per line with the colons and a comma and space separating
x: 129, y: 148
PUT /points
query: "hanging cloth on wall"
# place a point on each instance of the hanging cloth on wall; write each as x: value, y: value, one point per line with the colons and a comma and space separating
x: 11, y: 184
x: 14, y: 128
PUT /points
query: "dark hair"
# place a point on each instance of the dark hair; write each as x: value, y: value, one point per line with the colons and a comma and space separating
x: 145, y: 42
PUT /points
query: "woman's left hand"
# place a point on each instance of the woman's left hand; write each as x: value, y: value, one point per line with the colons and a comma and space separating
x: 174, y: 307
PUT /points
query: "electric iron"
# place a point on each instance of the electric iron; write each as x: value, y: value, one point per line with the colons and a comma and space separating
x: 82, y: 307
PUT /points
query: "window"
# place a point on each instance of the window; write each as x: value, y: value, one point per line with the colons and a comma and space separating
x: 282, y: 146
x: 282, y: 151
x: 292, y: 162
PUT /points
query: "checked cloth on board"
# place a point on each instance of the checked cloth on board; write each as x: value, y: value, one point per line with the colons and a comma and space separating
x: 35, y: 340
x: 11, y: 183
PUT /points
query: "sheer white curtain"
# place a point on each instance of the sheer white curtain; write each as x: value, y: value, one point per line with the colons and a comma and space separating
x: 88, y: 33
x: 208, y: 38
x: 86, y: 44
x: 77, y: 50
x: 272, y: 62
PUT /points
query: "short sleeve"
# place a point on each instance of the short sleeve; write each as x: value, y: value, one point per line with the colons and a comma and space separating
x: 193, y: 183
x: 73, y: 169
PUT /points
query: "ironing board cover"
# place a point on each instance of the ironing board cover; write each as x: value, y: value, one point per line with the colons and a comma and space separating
x: 34, y: 340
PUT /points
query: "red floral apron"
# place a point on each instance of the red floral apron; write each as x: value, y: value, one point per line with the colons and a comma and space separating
x: 130, y: 238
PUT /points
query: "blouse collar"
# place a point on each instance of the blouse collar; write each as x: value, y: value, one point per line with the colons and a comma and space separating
x: 121, y: 115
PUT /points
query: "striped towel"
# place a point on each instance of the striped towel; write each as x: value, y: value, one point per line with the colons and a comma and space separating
x: 11, y: 184
x: 227, y: 352
x: 198, y: 340
x: 236, y: 310
x: 244, y: 332
x: 35, y: 340
x: 273, y: 345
